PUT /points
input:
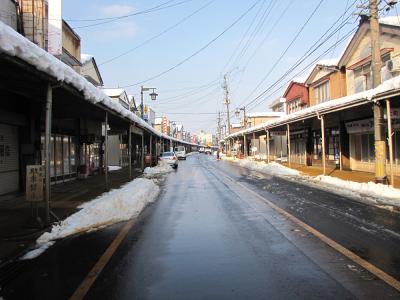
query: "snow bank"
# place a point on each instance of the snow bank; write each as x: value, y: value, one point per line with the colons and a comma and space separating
x: 117, y: 205
x: 272, y: 168
x: 369, y: 188
x: 370, y: 192
x: 114, y: 168
x: 160, y: 169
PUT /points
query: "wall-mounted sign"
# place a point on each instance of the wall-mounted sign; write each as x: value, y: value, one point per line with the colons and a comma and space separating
x: 360, y: 126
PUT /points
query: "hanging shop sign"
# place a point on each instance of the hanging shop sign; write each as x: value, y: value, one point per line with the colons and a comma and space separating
x: 360, y: 126
x: 278, y: 133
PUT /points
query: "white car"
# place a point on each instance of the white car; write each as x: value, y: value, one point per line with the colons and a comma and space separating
x: 180, y: 152
x: 170, y: 158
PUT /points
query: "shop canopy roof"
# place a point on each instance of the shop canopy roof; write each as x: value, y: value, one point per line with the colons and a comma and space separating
x: 16, y: 45
x: 388, y: 89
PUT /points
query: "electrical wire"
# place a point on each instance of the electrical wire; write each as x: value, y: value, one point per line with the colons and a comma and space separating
x: 287, y: 48
x: 154, y: 9
x: 196, y: 52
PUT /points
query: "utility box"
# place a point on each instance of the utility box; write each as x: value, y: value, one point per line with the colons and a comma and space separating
x: 34, y: 183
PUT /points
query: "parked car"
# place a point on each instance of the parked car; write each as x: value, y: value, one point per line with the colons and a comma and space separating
x: 170, y: 158
x: 180, y: 152
x: 207, y: 151
x: 201, y: 150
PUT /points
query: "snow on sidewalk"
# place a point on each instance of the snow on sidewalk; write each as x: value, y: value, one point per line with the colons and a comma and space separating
x: 369, y: 192
x: 376, y: 190
x: 115, y: 206
x: 272, y: 168
x: 161, y: 169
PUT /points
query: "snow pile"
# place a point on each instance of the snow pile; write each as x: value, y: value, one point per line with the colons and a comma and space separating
x: 160, y: 169
x: 272, y: 168
x: 117, y: 205
x: 114, y: 168
x: 369, y: 188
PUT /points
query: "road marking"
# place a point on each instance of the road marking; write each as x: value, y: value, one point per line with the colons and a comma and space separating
x: 393, y: 282
x: 87, y: 283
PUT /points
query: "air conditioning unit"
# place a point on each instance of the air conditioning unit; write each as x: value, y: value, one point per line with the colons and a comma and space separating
x: 393, y: 65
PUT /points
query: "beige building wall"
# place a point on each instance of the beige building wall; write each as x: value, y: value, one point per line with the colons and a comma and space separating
x: 363, y: 50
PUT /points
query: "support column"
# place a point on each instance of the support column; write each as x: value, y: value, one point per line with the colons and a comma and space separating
x: 288, y: 143
x: 47, y: 196
x: 323, y: 144
x: 142, y: 153
x: 390, y: 139
x: 151, y: 150
x: 244, y: 145
x: 106, y: 150
x: 253, y: 143
x: 130, y: 151
x: 267, y: 131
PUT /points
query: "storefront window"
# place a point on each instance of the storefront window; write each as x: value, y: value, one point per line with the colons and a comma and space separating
x: 367, y: 147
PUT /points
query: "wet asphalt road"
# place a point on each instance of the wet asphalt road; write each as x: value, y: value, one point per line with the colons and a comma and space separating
x: 207, y: 238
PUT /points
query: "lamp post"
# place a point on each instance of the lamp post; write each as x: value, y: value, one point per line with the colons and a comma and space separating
x: 153, y: 96
x: 237, y: 114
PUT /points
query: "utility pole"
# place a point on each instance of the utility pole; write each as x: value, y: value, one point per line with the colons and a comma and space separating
x: 219, y: 127
x: 227, y: 102
x: 379, y: 129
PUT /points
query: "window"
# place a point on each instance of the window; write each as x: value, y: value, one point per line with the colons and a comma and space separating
x: 322, y: 93
x: 366, y: 145
x: 363, y: 75
x: 294, y: 105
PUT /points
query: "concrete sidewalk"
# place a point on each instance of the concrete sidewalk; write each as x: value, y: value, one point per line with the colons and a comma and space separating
x: 16, y: 234
x: 356, y: 176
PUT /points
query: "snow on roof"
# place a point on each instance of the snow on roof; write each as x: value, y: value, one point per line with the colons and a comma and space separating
x: 264, y: 114
x: 113, y: 92
x: 236, y: 125
x: 299, y: 79
x: 329, y: 62
x: 14, y: 44
x: 390, y: 20
x: 85, y: 58
x: 391, y: 85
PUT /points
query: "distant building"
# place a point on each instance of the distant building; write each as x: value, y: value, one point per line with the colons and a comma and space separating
x: 118, y: 95
x: 90, y: 71
x: 278, y: 105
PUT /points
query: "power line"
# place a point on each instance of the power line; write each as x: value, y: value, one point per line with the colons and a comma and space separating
x: 287, y: 48
x: 198, y: 51
x: 158, y: 35
x: 113, y: 19
x: 312, y: 49
x: 259, y: 97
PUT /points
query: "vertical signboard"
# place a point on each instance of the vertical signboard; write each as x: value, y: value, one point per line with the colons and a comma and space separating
x: 34, y: 183
x: 55, y: 28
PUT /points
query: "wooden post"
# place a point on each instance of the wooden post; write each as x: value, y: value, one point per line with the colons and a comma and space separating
x: 267, y: 131
x: 151, y: 150
x: 244, y: 145
x: 106, y: 150
x: 323, y: 144
x: 47, y: 151
x: 390, y: 139
x: 288, y: 143
x: 130, y: 151
x: 142, y: 160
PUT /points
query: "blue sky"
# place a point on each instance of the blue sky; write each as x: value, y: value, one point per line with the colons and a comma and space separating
x: 195, y: 86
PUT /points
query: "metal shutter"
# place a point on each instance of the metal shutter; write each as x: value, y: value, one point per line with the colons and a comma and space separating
x: 9, y: 181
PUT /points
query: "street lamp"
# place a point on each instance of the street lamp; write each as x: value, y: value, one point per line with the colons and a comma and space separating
x: 237, y: 114
x: 153, y: 96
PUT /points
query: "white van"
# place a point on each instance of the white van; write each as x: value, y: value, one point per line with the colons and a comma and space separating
x: 180, y: 152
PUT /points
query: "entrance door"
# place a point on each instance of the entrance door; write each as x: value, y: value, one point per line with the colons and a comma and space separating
x: 9, y: 166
